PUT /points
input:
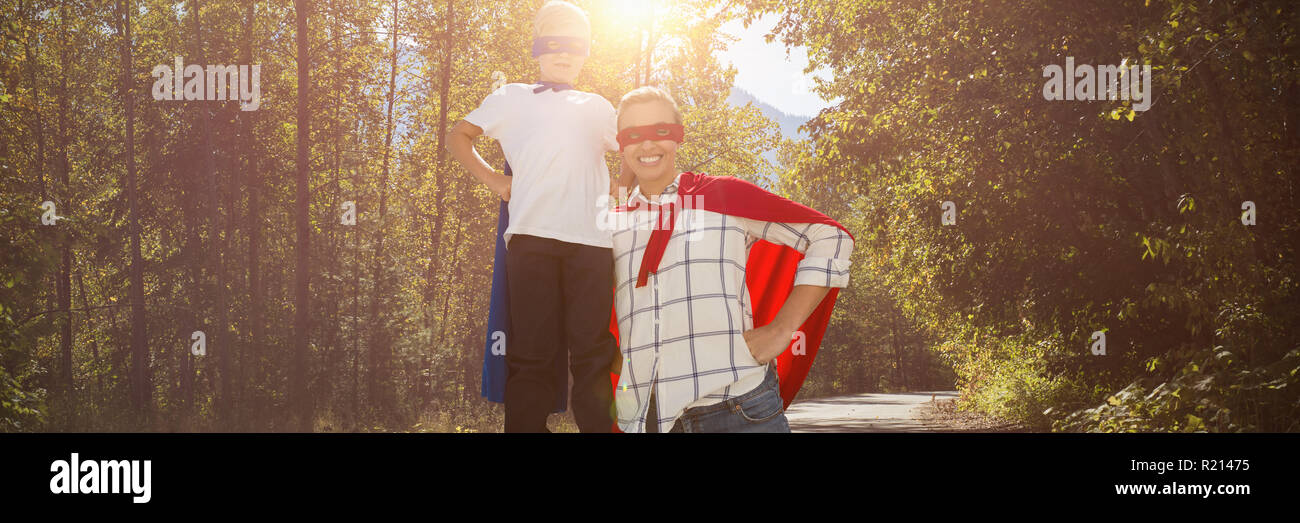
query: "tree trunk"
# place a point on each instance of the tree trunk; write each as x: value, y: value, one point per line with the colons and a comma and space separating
x: 898, y: 349
x: 39, y: 126
x: 446, y: 296
x: 94, y: 344
x: 253, y: 186
x: 64, y: 286
x: 215, y: 332
x: 379, y: 348
x: 140, y: 379
x: 300, y: 401
x: 330, y: 355
x: 468, y: 351
x: 440, y: 151
x: 356, y: 331
x: 649, y: 45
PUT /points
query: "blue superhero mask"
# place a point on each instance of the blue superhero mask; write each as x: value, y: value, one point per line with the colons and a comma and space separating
x: 573, y: 45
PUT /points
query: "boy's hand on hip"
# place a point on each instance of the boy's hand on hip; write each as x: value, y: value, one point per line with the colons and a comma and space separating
x: 768, y: 342
x: 501, y: 186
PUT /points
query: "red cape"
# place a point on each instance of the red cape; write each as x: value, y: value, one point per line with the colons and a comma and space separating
x: 769, y: 271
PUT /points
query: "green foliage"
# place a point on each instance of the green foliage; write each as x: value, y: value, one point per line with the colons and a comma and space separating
x: 22, y: 391
x: 1214, y: 393
x: 1072, y: 217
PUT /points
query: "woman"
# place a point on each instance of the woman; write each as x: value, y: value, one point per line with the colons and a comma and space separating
x: 692, y: 360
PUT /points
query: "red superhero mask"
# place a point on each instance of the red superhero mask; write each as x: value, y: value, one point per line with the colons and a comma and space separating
x: 659, y: 131
x: 560, y: 44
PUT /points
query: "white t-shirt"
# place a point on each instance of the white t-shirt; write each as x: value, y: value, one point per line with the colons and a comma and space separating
x: 555, y: 142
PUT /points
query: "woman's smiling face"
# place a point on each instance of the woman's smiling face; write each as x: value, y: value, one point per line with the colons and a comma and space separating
x: 653, y: 161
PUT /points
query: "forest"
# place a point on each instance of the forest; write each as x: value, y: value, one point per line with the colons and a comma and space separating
x: 309, y: 258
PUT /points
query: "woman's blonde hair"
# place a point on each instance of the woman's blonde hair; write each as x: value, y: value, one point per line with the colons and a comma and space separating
x: 645, y: 94
x: 563, y: 18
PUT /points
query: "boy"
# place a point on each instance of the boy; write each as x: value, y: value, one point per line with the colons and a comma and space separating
x: 692, y: 359
x: 558, y: 259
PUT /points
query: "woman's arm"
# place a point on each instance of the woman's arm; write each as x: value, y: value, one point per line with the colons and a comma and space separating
x: 826, y: 251
x: 769, y: 341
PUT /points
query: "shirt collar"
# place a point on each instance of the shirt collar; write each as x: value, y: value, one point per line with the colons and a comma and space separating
x: 668, y: 192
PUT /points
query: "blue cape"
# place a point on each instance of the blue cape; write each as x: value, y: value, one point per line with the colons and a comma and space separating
x: 494, y: 365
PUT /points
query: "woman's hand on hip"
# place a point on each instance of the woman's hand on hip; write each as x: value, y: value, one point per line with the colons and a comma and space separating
x: 768, y: 342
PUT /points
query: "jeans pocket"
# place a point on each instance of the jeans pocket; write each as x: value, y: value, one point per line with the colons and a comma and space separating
x: 761, y: 407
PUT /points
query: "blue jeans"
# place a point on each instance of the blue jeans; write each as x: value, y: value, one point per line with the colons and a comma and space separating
x: 759, y: 410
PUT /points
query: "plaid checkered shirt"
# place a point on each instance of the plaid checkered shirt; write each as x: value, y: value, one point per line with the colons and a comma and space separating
x: 682, y: 332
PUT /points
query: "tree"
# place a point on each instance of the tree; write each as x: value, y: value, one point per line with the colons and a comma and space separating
x: 141, y: 382
x: 301, y: 325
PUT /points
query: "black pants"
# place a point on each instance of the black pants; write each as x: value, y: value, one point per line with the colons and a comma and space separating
x: 652, y: 413
x: 652, y: 416
x: 560, y: 293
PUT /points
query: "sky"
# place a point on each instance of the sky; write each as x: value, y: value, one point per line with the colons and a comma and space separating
x: 764, y: 70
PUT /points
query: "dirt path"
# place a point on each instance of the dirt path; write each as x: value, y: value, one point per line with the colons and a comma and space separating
x: 930, y: 411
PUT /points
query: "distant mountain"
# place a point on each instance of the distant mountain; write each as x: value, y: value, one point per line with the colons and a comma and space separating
x: 789, y: 123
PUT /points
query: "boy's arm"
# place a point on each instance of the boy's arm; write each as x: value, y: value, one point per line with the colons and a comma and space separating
x: 609, y: 135
x: 622, y: 188
x: 626, y: 178
x: 460, y: 142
